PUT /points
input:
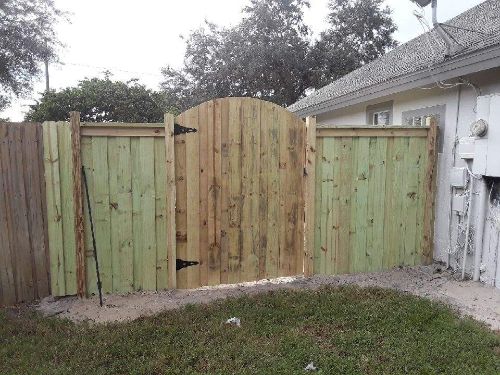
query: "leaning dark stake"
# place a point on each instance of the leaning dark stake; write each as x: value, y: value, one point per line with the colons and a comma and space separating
x: 99, y: 285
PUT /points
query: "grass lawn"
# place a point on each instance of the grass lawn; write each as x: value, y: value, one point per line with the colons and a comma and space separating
x: 343, y: 331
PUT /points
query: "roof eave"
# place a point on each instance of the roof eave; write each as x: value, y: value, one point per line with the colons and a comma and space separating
x: 462, y: 65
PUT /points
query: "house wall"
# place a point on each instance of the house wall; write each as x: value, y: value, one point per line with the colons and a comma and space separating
x: 460, y: 103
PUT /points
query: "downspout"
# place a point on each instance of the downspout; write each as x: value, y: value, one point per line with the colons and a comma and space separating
x: 479, y: 233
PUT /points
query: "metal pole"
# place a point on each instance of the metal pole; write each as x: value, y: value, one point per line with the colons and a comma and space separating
x: 99, y: 284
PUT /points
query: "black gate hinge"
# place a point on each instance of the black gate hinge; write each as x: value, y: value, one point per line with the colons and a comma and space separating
x: 179, y: 129
x: 180, y: 264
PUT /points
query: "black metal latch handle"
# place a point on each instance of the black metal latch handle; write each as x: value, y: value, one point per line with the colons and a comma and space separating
x: 179, y: 129
x: 180, y: 264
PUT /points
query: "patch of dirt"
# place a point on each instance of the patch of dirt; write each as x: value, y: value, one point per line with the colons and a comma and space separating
x: 469, y: 298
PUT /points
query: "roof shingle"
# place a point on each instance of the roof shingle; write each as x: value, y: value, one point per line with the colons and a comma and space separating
x: 416, y: 55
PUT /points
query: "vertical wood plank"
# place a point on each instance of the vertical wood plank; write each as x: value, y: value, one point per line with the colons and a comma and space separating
x: 430, y: 192
x: 108, y: 257
x: 54, y: 208
x: 250, y: 160
x: 171, y: 199
x: 310, y: 180
x: 266, y: 119
x: 214, y: 201
x: 87, y: 162
x: 390, y: 214
x: 193, y: 198
x: 205, y: 170
x: 271, y: 131
x: 147, y: 193
x: 67, y: 206
x: 78, y: 202
x: 318, y: 207
x: 137, y: 213
x: 160, y: 213
x: 7, y: 266
x: 410, y: 197
x: 361, y: 177
x: 343, y: 254
x: 224, y: 190
x: 181, y: 203
x: 234, y: 231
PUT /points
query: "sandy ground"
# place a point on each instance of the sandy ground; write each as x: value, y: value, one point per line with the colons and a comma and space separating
x: 469, y: 298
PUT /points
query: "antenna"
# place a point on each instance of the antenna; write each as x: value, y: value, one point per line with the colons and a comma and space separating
x: 422, y: 3
x: 451, y: 46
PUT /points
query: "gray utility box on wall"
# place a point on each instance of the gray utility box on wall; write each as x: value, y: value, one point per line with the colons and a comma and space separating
x: 487, y: 132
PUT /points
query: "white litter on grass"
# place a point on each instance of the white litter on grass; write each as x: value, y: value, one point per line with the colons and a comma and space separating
x: 310, y: 367
x: 234, y: 321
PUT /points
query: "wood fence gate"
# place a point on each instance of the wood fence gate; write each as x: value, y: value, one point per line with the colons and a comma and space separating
x: 233, y: 190
x: 240, y: 194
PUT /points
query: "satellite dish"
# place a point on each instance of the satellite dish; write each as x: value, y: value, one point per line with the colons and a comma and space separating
x: 422, y: 3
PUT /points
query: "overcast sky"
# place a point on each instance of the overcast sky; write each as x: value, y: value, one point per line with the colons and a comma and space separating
x: 134, y: 39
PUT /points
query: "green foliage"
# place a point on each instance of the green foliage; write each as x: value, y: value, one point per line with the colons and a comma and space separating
x: 27, y: 38
x: 264, y: 56
x: 360, y: 31
x: 102, y: 100
x: 342, y: 330
x: 269, y: 54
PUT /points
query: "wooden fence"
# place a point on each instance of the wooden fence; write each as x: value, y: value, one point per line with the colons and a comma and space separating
x: 373, y: 199
x: 125, y: 169
x: 24, y: 261
x: 251, y: 192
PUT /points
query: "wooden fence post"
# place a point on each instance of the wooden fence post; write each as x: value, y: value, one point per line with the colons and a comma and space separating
x: 310, y: 180
x: 78, y: 202
x: 171, y: 200
x: 430, y: 192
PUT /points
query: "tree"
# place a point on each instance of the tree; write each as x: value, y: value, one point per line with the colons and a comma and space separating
x: 27, y: 38
x: 360, y: 31
x: 264, y: 56
x: 102, y: 100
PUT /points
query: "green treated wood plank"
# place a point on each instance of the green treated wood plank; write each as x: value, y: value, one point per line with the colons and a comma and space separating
x: 148, y: 204
x: 161, y: 211
x: 419, y: 235
x: 336, y: 208
x: 376, y: 203
x: 390, y: 214
x: 67, y: 206
x: 137, y: 213
x: 317, y: 263
x: 410, y: 196
x: 234, y: 173
x: 345, y: 198
x: 88, y: 165
x: 250, y: 166
x: 354, y: 196
x: 54, y: 209
x: 120, y: 190
x: 326, y: 247
x: 361, y: 181
x: 101, y: 212
x: 402, y: 146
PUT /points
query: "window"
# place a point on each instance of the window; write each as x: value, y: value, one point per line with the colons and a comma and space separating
x: 379, y: 114
x: 418, y: 117
x: 381, y: 118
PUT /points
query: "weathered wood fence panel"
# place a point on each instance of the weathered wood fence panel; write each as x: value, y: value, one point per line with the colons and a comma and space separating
x: 372, y: 192
x: 24, y: 261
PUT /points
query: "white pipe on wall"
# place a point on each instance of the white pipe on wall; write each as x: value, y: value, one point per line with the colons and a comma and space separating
x: 479, y: 232
x: 467, y: 231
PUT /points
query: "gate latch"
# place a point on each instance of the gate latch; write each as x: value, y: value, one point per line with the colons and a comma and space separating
x: 180, y: 264
x: 179, y: 129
